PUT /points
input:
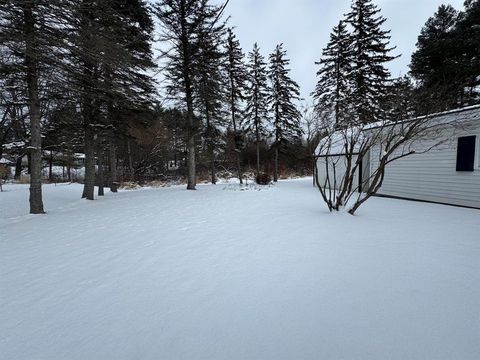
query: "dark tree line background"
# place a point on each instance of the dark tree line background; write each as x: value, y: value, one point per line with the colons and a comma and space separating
x: 355, y: 87
x: 82, y: 96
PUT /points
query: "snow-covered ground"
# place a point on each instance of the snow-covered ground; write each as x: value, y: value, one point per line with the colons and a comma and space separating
x: 223, y: 274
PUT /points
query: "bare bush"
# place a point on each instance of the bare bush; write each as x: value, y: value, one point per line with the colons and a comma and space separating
x: 352, y: 160
x: 264, y: 179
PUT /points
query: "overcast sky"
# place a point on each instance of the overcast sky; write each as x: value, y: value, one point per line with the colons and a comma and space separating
x: 304, y: 27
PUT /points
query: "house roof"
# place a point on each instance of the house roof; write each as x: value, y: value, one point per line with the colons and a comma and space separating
x: 335, y: 145
x: 378, y: 124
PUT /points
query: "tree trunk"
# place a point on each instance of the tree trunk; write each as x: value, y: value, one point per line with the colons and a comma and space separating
x: 212, y: 165
x: 187, y: 65
x: 131, y: 172
x: 191, y: 167
x: 50, y: 166
x: 69, y: 166
x: 18, y: 167
x: 7, y: 168
x: 275, y: 175
x: 239, y: 167
x: 373, y: 188
x: 237, y: 151
x: 257, y: 134
x: 89, y: 182
x: 210, y: 144
x: 277, y: 142
x: 113, y: 168
x: 36, y: 202
x: 100, y: 176
x: 29, y: 161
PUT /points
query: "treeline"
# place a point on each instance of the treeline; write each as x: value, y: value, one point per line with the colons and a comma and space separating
x: 223, y: 94
x: 80, y: 87
x: 446, y: 65
x: 354, y: 84
x: 79, y: 83
x: 72, y: 74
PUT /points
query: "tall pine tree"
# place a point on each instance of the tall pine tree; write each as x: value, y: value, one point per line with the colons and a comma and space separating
x: 182, y: 22
x: 210, y: 88
x: 284, y: 93
x: 31, y: 40
x: 371, y: 53
x: 128, y: 87
x: 111, y: 52
x: 446, y: 64
x: 256, y: 98
x: 468, y: 30
x: 236, y: 82
x: 435, y: 62
x: 401, y: 102
x: 333, y: 91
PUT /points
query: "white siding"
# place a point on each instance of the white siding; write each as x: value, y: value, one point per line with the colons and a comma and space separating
x: 432, y: 176
x: 339, y: 162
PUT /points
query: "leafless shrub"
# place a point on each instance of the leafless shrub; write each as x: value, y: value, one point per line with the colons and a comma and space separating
x: 264, y: 179
x: 347, y: 178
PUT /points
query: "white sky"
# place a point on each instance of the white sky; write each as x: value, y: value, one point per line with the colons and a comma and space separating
x: 304, y: 27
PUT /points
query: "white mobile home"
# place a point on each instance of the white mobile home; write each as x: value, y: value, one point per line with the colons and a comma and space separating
x: 448, y: 173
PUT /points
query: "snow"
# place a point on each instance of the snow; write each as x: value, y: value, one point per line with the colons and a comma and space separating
x: 14, y: 145
x: 220, y: 274
x: 14, y: 201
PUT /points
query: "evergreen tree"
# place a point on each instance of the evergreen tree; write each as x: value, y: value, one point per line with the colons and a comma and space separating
x: 111, y: 51
x: 31, y: 41
x: 62, y: 132
x: 210, y: 87
x: 400, y: 102
x: 235, y: 86
x: 333, y: 91
x: 175, y: 121
x: 128, y: 87
x: 446, y: 62
x: 468, y: 35
x: 371, y: 52
x: 182, y: 22
x: 435, y: 63
x: 284, y: 92
x: 256, y: 96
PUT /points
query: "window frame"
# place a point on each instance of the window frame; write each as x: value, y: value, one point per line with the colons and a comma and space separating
x: 476, y: 165
x: 476, y: 153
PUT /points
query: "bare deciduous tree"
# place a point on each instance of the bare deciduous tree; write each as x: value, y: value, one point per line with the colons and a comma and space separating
x: 352, y: 160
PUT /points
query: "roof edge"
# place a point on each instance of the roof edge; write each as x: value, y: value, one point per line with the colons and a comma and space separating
x: 429, y: 116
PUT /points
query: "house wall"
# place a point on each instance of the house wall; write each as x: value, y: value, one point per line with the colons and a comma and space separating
x: 337, y: 165
x: 432, y: 176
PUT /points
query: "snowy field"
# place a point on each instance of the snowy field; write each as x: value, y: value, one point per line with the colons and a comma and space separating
x: 223, y: 274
